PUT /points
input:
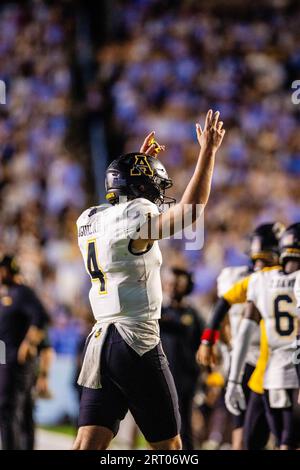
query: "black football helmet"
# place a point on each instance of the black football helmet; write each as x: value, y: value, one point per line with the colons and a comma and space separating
x: 137, y: 175
x: 289, y: 244
x: 264, y: 242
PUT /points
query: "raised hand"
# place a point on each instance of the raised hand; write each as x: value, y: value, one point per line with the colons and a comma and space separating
x: 210, y: 138
x: 150, y: 146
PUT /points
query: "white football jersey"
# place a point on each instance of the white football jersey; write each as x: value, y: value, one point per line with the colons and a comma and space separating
x: 124, y: 285
x: 227, y: 278
x: 272, y: 292
x: 297, y: 289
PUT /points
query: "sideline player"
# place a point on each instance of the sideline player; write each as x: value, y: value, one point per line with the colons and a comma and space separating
x: 232, y: 289
x: 124, y: 366
x: 296, y: 357
x: 271, y: 297
x: 23, y: 321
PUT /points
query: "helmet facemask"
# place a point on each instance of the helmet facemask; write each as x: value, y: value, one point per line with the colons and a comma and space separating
x: 289, y: 247
x: 264, y: 243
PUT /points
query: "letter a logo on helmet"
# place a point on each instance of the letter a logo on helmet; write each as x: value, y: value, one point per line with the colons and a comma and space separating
x: 136, y: 175
x: 141, y: 165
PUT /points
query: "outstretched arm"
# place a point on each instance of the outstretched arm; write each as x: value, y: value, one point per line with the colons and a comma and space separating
x: 237, y: 294
x: 196, y: 195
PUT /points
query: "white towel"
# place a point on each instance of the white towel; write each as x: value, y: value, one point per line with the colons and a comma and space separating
x: 90, y: 374
x: 278, y: 398
x: 141, y: 336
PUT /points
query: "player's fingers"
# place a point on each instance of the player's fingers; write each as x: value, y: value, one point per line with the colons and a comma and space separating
x: 199, y: 130
x: 198, y: 358
x: 160, y: 148
x: 215, y: 119
x: 231, y: 407
x: 220, y: 125
x: 147, y: 141
x: 204, y: 359
x: 214, y: 359
x: 207, y: 360
x: 242, y: 402
x: 208, y: 119
x: 211, y: 360
x: 222, y: 135
x: 150, y: 150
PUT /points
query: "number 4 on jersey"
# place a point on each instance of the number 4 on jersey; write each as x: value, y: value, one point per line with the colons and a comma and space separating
x: 94, y: 268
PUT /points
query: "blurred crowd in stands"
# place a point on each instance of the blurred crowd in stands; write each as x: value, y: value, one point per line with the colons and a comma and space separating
x: 41, y: 184
x: 166, y: 64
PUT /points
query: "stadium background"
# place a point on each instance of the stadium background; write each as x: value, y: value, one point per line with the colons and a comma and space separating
x: 86, y: 81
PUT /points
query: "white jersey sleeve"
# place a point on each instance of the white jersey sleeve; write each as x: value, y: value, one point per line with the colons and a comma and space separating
x: 124, y: 284
x: 253, y: 287
x: 297, y: 290
x: 136, y: 214
x: 229, y: 276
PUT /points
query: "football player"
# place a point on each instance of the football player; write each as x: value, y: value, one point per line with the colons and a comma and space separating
x: 23, y: 324
x: 124, y: 366
x: 271, y: 296
x: 296, y: 357
x: 232, y: 291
